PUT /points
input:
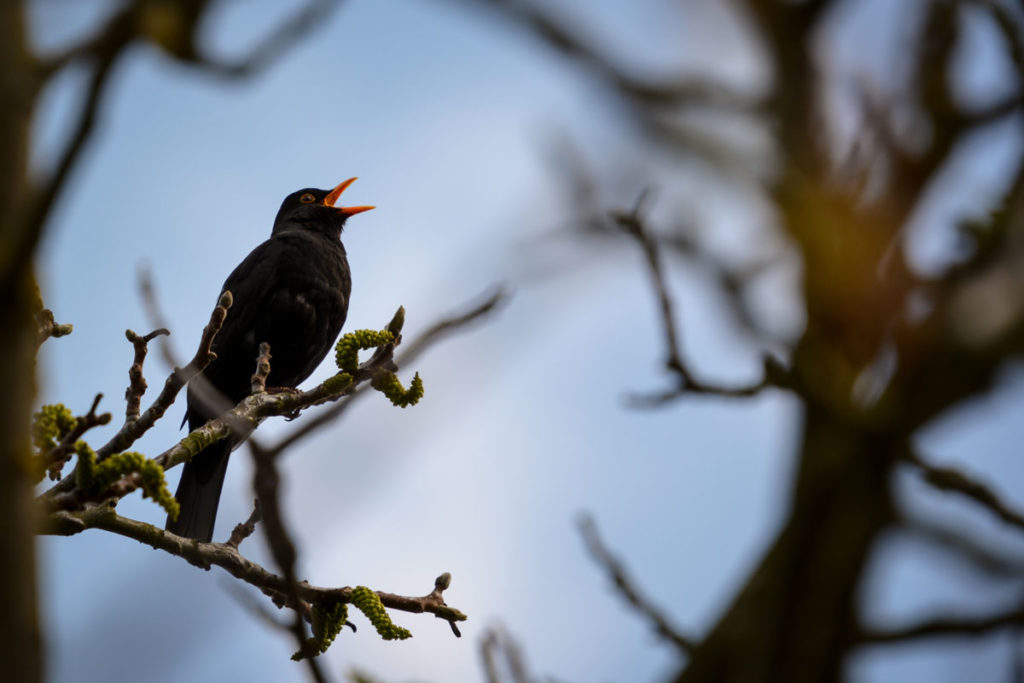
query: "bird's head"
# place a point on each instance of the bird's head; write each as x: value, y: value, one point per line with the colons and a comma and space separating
x: 313, y: 208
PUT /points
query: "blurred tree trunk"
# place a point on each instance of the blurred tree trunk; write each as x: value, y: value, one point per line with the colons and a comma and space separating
x: 20, y: 643
x: 796, y: 617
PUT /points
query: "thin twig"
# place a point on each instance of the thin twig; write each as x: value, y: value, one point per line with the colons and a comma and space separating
x: 106, y: 52
x: 955, y: 481
x: 285, y: 36
x: 634, y: 225
x: 560, y: 36
x: 959, y: 626
x: 244, y: 529
x: 137, y: 382
x: 47, y: 327
x: 58, y: 456
x: 496, y: 643
x: 627, y: 588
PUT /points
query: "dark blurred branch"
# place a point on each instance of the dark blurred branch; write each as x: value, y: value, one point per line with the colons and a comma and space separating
x: 174, y: 26
x: 964, y: 546
x: 627, y: 588
x: 634, y: 225
x: 559, y: 36
x: 499, y: 652
x: 104, y: 55
x: 953, y: 480
x: 266, y: 484
x: 958, y: 626
x: 285, y: 37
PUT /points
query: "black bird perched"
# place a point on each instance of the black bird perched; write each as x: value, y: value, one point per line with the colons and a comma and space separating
x: 292, y: 292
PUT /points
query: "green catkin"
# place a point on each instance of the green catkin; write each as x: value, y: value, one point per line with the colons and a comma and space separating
x: 389, y: 385
x: 346, y: 352
x: 337, y: 383
x: 369, y: 604
x: 328, y: 620
x: 50, y: 425
x: 93, y: 477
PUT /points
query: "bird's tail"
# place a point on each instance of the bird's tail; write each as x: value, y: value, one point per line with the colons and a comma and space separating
x: 198, y: 492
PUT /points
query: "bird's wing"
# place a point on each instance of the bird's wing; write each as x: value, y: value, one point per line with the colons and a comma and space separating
x: 249, y: 283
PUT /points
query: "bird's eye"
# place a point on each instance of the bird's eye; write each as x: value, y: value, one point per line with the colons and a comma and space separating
x: 307, y: 198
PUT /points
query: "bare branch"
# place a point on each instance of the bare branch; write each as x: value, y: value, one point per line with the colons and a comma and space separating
x: 137, y: 386
x: 244, y: 530
x: 266, y: 483
x: 203, y: 357
x: 958, y: 626
x: 243, y: 418
x: 58, y: 456
x: 286, y: 36
x: 227, y: 557
x: 991, y: 561
x: 48, y: 327
x: 633, y: 224
x: 497, y: 643
x: 954, y: 481
x: 627, y: 588
x: 557, y: 35
x: 105, y: 52
x: 131, y: 431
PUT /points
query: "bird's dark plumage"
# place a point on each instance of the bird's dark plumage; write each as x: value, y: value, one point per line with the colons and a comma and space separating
x: 292, y: 292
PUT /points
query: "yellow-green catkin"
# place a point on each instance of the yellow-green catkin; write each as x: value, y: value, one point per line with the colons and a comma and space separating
x: 346, y: 352
x: 389, y: 385
x: 50, y: 425
x: 369, y: 604
x: 337, y: 383
x: 328, y: 620
x: 93, y: 477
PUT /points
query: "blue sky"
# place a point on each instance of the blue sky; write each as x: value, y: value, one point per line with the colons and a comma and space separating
x: 443, y: 113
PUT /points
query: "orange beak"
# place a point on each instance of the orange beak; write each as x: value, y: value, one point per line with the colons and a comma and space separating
x: 333, y: 195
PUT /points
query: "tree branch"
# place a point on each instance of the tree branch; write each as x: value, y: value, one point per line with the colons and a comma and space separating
x: 286, y: 36
x: 627, y: 588
x: 557, y: 35
x: 245, y: 529
x: 633, y: 224
x: 954, y: 481
x: 58, y: 456
x: 137, y: 383
x: 131, y: 431
x: 958, y: 626
x: 227, y: 557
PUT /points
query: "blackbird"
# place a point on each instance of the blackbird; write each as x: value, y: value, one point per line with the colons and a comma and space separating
x: 292, y: 292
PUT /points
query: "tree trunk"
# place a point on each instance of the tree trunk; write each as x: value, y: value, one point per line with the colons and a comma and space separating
x: 20, y: 641
x: 795, y: 617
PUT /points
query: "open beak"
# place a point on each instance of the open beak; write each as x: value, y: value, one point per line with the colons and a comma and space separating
x: 333, y: 195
